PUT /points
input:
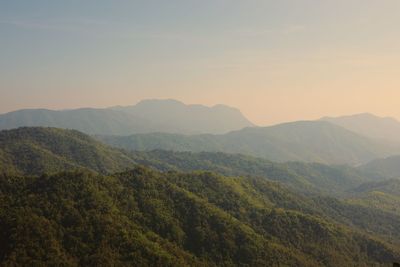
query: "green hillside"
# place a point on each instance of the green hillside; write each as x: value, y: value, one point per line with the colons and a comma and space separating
x: 179, y: 214
x: 155, y: 219
x: 384, y: 195
x: 302, y: 177
x: 46, y: 150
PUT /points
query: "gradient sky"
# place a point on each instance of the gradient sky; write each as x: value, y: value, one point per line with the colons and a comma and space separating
x: 276, y: 60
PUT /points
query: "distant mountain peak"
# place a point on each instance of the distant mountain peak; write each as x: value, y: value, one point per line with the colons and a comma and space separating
x: 160, y: 101
x: 224, y: 107
x: 171, y: 101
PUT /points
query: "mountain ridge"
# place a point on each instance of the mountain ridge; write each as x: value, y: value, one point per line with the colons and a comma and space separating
x: 36, y: 150
x: 144, y: 117
x: 370, y: 125
x: 310, y: 141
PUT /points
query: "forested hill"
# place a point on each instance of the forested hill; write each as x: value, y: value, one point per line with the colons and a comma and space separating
x: 309, y: 141
x: 173, y: 212
x: 45, y: 150
x: 382, y: 195
x: 147, y: 218
x: 299, y: 176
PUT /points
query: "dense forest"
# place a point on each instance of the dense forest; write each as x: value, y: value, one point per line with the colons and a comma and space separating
x: 302, y: 177
x: 69, y: 200
x: 47, y: 150
x: 169, y: 219
x: 28, y: 151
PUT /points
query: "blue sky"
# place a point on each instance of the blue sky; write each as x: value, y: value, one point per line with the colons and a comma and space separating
x: 275, y: 60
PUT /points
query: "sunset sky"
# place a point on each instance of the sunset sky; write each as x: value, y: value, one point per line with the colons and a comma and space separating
x: 275, y: 60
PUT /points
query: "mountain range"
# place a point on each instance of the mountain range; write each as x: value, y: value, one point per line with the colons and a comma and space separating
x: 172, y: 125
x: 36, y: 150
x: 310, y: 141
x: 177, y: 209
x: 148, y: 116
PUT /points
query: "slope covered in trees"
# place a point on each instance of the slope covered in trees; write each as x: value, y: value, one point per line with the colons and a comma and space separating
x: 164, y: 218
x: 38, y: 150
x: 168, y: 219
x: 383, y: 195
x: 298, y: 141
x: 302, y: 177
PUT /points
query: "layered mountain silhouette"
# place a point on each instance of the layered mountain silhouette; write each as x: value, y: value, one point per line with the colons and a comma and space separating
x: 172, y: 116
x: 369, y: 125
x: 310, y: 141
x: 148, y: 116
x: 172, y: 125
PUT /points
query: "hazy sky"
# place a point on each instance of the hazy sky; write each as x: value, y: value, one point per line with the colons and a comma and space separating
x: 276, y: 60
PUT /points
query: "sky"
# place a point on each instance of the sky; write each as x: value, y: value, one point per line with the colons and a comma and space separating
x: 275, y: 60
